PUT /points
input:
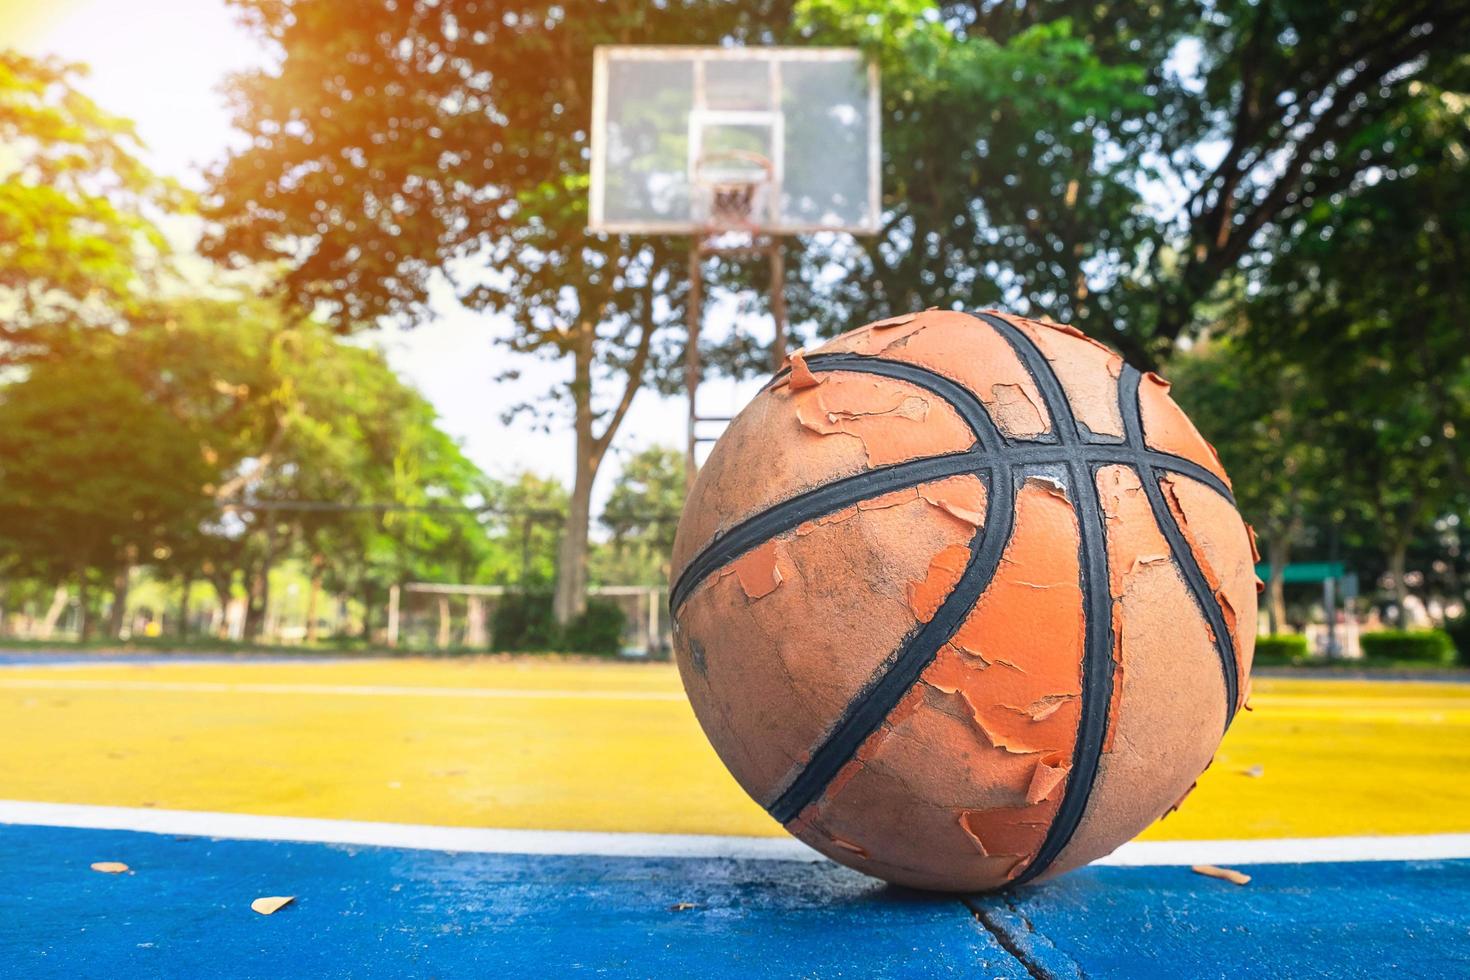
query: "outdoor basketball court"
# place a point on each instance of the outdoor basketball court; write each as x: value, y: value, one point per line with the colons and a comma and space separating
x: 452, y: 817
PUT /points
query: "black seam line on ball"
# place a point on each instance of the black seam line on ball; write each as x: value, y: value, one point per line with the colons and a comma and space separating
x: 828, y: 498
x: 853, y: 489
x: 882, y: 693
x: 1092, y: 556
x: 987, y: 434
x: 1184, y: 557
x: 819, y: 502
x: 965, y: 403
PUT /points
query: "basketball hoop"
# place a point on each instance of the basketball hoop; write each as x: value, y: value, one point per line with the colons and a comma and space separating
x: 732, y: 190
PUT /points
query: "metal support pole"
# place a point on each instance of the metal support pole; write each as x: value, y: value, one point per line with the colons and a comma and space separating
x: 1329, y: 603
x: 778, y: 303
x: 393, y: 615
x: 692, y: 367
x: 653, y: 604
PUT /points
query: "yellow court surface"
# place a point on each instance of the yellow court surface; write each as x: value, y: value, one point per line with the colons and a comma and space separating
x: 570, y: 745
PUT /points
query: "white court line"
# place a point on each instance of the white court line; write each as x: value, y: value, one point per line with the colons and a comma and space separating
x: 353, y: 690
x: 241, y: 826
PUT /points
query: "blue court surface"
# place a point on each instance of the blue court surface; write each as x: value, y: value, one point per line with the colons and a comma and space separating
x: 183, y: 910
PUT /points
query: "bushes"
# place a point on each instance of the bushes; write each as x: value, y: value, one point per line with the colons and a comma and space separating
x: 1280, y: 649
x: 1459, y: 632
x: 598, y: 630
x: 1413, y: 646
x: 523, y: 622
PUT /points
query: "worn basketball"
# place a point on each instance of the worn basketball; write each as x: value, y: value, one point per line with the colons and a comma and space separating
x: 964, y: 600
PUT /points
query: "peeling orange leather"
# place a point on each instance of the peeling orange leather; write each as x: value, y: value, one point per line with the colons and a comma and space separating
x: 964, y: 502
x: 994, y: 719
x: 961, y: 781
x: 766, y: 455
x: 1168, y: 705
x: 1167, y: 428
x: 965, y: 349
x: 926, y: 597
x: 801, y: 376
x: 778, y: 670
x: 760, y: 571
x: 1050, y: 773
x: 1015, y: 410
x: 889, y: 422
x: 1087, y: 369
x: 893, y: 321
x: 1221, y: 545
x: 1005, y: 831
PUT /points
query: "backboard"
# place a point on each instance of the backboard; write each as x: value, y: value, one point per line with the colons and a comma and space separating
x: 689, y: 140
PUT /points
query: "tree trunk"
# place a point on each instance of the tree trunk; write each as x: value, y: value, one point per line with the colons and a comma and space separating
x: 223, y: 582
x: 1397, y: 559
x: 84, y: 621
x: 570, y: 600
x: 258, y: 597
x: 117, y: 619
x: 54, y: 611
x: 571, y: 555
x: 260, y: 591
x: 1278, y: 552
x: 184, y: 596
x: 441, y: 641
x: 314, y: 596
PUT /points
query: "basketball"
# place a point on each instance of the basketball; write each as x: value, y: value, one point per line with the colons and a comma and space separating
x: 963, y: 601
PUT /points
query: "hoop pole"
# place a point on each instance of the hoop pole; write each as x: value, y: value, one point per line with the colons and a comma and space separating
x: 778, y: 303
x: 692, y: 368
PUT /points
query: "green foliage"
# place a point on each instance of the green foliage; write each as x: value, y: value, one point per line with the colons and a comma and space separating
x: 642, y: 512
x: 1281, y: 649
x: 599, y: 629
x: 390, y: 144
x: 95, y: 469
x: 522, y: 622
x: 1409, y: 646
x: 1001, y: 130
x: 77, y: 232
x: 1458, y: 631
x: 1018, y: 136
x: 525, y: 520
x: 1366, y: 298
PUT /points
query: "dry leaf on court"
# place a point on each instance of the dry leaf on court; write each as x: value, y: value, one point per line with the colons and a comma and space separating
x: 1254, y: 772
x: 110, y: 867
x: 1225, y: 874
x: 271, y: 904
x: 682, y: 906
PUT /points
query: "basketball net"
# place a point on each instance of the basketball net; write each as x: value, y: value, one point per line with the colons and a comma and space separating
x: 733, y: 191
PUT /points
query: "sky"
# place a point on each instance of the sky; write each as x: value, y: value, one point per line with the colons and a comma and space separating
x: 161, y: 63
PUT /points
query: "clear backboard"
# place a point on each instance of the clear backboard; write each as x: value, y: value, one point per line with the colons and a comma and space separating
x: 773, y: 140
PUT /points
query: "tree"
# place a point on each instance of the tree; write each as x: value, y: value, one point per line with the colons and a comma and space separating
x: 526, y: 513
x: 1007, y: 176
x: 1297, y: 93
x: 95, y: 473
x: 1035, y: 199
x: 77, y: 238
x: 398, y: 147
x: 642, y: 512
x: 1269, y: 422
